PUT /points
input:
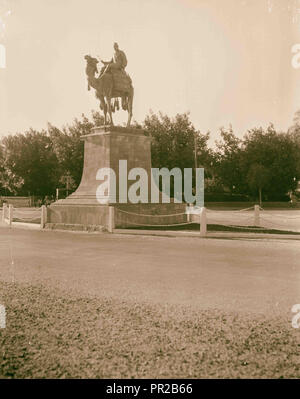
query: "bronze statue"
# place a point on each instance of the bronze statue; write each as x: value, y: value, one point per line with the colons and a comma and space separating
x: 113, y: 82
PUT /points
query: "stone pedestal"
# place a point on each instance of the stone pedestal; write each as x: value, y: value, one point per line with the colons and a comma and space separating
x: 104, y: 148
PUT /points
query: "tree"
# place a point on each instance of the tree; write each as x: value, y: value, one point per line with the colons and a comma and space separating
x: 173, y: 141
x: 228, y: 161
x: 68, y: 146
x: 258, y: 178
x: 30, y: 163
x: 68, y: 182
x: 34, y: 162
x: 263, y: 159
x: 294, y: 134
x: 296, y: 119
x: 278, y: 154
x: 10, y: 183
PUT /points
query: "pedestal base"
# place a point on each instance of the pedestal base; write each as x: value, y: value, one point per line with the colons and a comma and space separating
x: 104, y: 148
x: 96, y: 218
x: 83, y: 217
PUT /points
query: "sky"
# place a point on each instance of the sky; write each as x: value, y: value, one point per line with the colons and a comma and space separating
x: 224, y: 61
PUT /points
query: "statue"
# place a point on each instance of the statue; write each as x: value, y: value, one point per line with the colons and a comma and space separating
x: 113, y: 82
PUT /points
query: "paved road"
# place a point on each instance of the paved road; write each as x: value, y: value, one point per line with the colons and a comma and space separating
x: 262, y: 276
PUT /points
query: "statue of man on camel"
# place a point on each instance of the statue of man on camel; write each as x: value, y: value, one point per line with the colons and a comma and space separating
x: 113, y: 82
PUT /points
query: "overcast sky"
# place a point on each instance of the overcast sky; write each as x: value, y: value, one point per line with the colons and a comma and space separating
x: 225, y: 61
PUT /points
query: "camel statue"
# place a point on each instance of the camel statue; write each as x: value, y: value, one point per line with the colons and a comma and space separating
x: 109, y: 86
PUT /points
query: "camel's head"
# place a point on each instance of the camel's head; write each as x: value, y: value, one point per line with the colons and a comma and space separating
x: 91, y: 64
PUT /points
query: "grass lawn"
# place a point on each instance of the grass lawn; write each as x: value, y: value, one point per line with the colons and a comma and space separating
x: 52, y: 333
x: 215, y: 227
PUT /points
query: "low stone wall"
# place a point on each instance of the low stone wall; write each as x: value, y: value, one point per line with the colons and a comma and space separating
x: 134, y: 215
x: 78, y: 215
x: 96, y: 218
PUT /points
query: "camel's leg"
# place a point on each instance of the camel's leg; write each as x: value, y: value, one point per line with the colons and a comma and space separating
x: 105, y: 114
x: 108, y: 100
x: 130, y: 106
x: 103, y: 106
x: 124, y: 103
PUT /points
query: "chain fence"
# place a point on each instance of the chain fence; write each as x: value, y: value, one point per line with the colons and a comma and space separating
x: 252, y: 219
x: 12, y: 215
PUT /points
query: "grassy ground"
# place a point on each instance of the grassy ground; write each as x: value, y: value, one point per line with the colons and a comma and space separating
x: 241, y: 205
x: 53, y: 334
x: 215, y: 227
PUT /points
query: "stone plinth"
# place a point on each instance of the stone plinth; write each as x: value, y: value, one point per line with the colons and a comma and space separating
x: 104, y: 148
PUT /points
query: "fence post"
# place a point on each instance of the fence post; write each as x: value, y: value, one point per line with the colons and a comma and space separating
x: 203, y: 221
x: 3, y: 212
x: 10, y: 214
x: 43, y: 216
x: 256, y: 216
x: 111, y: 219
x: 188, y: 211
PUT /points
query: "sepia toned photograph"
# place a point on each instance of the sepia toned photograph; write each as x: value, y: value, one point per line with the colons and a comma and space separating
x: 149, y: 192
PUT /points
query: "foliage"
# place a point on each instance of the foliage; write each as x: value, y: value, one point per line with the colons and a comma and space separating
x: 34, y: 163
x: 228, y: 161
x: 10, y: 183
x: 68, y: 146
x: 262, y: 159
x: 278, y: 157
x: 173, y: 141
x: 30, y: 163
x: 258, y: 176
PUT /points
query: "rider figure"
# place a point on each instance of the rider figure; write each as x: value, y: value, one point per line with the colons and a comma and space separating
x: 118, y: 62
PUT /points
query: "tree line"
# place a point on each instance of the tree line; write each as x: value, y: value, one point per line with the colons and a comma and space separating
x: 263, y: 164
